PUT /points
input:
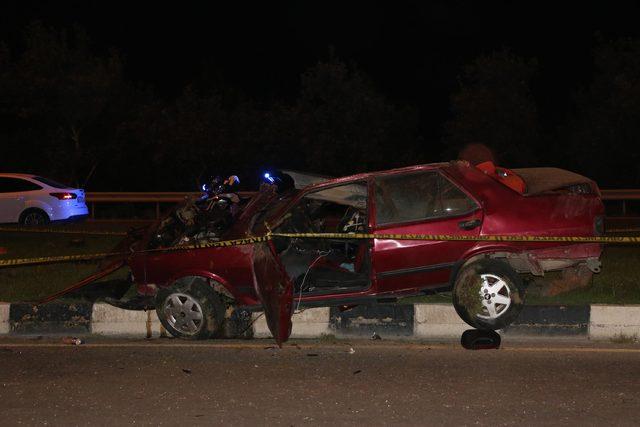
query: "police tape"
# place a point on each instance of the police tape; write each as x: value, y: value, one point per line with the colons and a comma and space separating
x: 16, y: 262
x: 331, y: 236
x: 464, y: 238
x: 61, y: 231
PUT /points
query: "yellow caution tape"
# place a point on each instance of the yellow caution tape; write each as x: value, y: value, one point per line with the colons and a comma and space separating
x: 463, y: 238
x: 61, y: 231
x: 52, y: 259
x: 235, y: 242
x: 88, y: 257
x: 270, y: 236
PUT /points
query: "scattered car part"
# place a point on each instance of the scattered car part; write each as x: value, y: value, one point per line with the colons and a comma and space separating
x: 479, y: 339
x: 103, y: 272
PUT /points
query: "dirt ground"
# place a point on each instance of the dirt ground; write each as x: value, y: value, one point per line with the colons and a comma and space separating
x: 170, y: 382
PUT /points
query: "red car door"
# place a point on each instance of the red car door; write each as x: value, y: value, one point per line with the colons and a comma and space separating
x: 423, y: 202
x: 275, y: 290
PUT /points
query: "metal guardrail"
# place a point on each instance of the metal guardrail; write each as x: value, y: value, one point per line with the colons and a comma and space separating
x: 621, y: 195
x: 631, y: 194
x: 93, y: 198
x: 157, y: 199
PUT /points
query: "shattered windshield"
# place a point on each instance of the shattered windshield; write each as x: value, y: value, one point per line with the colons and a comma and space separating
x: 268, y: 212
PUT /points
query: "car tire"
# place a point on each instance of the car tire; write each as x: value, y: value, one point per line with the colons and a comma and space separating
x: 488, y: 294
x: 190, y: 311
x: 33, y: 217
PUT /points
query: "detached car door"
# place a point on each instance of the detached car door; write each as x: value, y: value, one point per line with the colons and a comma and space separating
x: 423, y: 202
x: 274, y: 289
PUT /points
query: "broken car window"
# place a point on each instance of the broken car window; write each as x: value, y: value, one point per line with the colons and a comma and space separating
x: 340, y: 209
x: 325, y: 265
x: 417, y: 196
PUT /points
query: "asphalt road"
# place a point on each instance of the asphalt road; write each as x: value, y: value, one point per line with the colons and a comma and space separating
x: 170, y: 382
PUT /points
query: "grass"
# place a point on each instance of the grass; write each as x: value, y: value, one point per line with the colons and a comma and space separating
x: 617, y: 283
x: 29, y: 283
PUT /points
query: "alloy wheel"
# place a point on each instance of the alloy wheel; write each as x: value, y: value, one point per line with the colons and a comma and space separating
x: 34, y: 218
x: 496, y: 296
x: 183, y: 313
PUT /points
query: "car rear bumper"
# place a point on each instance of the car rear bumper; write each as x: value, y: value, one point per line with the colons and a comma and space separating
x: 68, y: 213
x: 71, y: 219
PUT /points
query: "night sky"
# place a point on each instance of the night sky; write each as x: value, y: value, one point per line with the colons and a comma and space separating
x: 413, y: 51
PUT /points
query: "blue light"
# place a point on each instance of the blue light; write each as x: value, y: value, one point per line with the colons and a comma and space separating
x: 269, y: 178
x: 204, y: 187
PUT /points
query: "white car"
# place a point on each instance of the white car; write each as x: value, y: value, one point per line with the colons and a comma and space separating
x: 34, y: 200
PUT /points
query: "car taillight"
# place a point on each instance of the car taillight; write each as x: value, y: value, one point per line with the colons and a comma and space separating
x: 64, y: 196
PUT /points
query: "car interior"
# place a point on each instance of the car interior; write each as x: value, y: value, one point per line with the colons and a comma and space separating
x: 325, y: 265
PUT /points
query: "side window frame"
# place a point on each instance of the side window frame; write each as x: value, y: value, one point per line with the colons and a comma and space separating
x: 367, y: 183
x: 17, y: 181
x: 374, y: 208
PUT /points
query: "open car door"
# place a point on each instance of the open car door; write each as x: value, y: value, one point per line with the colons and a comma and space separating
x: 274, y: 289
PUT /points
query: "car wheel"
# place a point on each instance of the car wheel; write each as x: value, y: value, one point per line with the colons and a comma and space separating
x: 192, y: 311
x: 33, y: 217
x: 488, y: 294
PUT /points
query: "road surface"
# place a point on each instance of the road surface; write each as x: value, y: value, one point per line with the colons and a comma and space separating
x: 171, y: 382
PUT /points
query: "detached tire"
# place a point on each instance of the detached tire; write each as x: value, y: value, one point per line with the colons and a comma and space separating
x: 488, y: 294
x: 190, y: 311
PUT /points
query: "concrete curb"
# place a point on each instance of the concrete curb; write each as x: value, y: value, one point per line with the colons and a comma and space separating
x: 109, y: 320
x: 419, y: 321
x: 311, y: 323
x: 614, y: 321
x: 437, y: 321
x: 4, y: 318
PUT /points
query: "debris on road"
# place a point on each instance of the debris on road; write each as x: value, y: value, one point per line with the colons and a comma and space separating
x: 186, y: 371
x: 478, y: 339
x: 72, y: 341
x: 375, y: 336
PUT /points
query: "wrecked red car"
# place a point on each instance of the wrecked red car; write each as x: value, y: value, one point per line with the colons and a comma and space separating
x: 193, y: 290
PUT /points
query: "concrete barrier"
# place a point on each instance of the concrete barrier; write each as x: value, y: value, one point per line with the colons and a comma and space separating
x: 4, y: 317
x: 437, y: 321
x: 310, y: 323
x: 420, y: 321
x: 610, y: 321
x: 109, y: 320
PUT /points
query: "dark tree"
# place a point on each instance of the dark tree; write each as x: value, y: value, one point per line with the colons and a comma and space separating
x: 604, y: 132
x: 344, y: 125
x: 494, y: 106
x: 57, y: 94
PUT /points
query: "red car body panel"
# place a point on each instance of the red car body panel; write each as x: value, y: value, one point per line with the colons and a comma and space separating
x: 275, y: 291
x: 254, y: 276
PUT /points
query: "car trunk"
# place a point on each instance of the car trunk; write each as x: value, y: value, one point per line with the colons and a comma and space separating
x: 543, y: 180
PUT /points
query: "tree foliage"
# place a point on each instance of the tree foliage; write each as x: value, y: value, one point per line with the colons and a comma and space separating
x: 58, y: 94
x: 604, y: 130
x: 494, y: 106
x: 67, y: 111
